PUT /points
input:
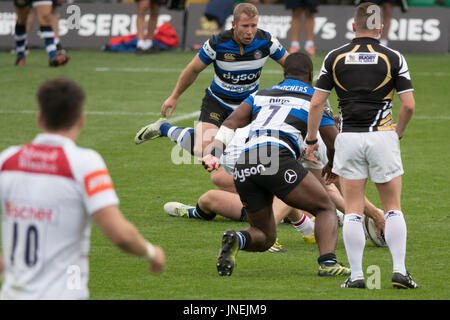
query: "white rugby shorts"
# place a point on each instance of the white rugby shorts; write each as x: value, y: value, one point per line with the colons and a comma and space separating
x: 359, y: 155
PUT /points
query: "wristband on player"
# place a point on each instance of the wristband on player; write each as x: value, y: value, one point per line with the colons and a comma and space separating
x: 224, y: 135
x: 150, y: 254
x: 311, y: 142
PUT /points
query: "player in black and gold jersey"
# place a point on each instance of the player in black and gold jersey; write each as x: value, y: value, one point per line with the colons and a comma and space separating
x: 365, y: 75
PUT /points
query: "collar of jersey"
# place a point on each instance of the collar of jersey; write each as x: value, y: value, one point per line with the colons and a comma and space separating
x: 295, y: 82
x: 52, y: 139
x: 365, y: 40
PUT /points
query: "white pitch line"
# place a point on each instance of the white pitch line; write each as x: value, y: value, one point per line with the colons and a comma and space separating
x: 184, y: 117
x: 116, y: 113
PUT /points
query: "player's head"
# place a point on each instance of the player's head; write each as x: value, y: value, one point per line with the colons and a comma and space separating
x: 60, y: 103
x: 368, y: 19
x: 298, y: 66
x: 245, y: 23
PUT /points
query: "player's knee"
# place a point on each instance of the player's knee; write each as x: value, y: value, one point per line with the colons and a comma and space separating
x: 325, y: 205
x: 45, y: 18
x: 206, y: 200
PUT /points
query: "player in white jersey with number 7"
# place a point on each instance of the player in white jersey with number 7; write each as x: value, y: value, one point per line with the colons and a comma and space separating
x: 50, y: 191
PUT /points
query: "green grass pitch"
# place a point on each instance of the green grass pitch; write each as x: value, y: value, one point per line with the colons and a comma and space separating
x: 125, y: 92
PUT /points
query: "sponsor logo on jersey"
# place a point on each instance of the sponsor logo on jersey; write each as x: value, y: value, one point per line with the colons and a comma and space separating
x: 278, y: 100
x: 39, y: 159
x: 361, y: 58
x: 241, y: 77
x: 27, y: 212
x: 257, y: 54
x: 229, y: 57
x: 214, y: 116
x: 241, y: 175
x: 97, y: 181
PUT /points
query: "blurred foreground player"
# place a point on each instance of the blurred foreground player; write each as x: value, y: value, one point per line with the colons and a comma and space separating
x: 50, y: 190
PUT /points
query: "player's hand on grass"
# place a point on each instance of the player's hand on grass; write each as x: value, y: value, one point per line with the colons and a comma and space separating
x: 379, y: 223
x: 210, y: 162
x: 328, y: 176
x: 159, y: 261
x: 171, y: 104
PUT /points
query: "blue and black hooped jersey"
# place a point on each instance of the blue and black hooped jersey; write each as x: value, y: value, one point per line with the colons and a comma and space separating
x: 237, y: 68
x: 280, y: 115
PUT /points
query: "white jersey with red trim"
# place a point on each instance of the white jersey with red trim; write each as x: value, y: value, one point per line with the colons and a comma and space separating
x: 49, y: 189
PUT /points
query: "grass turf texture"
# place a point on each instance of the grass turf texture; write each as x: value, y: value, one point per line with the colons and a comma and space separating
x: 125, y: 92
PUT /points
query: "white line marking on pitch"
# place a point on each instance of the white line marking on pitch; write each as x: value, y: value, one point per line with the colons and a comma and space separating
x: 117, y: 113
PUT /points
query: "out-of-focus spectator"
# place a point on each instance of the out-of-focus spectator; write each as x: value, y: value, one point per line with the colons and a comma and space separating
x: 308, y: 8
x: 146, y: 31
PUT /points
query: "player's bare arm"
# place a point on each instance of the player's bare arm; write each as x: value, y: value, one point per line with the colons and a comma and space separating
x: 328, y: 134
x: 185, y: 80
x: 314, y: 117
x: 283, y: 58
x: 125, y: 236
x: 406, y: 111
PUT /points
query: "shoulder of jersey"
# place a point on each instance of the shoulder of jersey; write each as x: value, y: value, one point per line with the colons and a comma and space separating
x: 262, y: 35
x: 84, y: 159
x: 8, y: 152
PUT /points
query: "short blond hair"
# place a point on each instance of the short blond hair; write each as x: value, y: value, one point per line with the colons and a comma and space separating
x: 249, y: 9
x: 368, y: 17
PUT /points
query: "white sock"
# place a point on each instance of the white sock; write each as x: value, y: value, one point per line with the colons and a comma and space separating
x: 354, y: 241
x: 309, y: 44
x: 305, y: 225
x: 141, y: 44
x: 295, y: 44
x: 395, y: 235
x: 148, y: 43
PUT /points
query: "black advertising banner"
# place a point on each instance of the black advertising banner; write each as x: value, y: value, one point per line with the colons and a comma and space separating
x: 86, y: 25
x: 92, y: 25
x: 418, y: 30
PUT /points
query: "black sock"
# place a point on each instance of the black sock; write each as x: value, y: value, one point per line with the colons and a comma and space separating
x: 245, y: 242
x: 243, y: 215
x: 328, y: 258
x: 205, y: 216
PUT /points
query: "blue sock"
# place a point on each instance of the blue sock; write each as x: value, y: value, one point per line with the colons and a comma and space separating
x: 193, y: 214
x: 164, y: 129
x: 48, y: 35
x: 198, y: 213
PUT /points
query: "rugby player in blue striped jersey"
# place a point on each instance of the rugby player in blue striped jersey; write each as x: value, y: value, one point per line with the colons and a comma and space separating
x: 238, y: 56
